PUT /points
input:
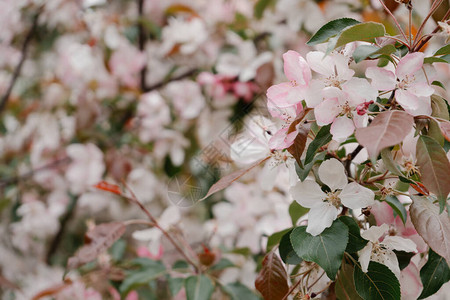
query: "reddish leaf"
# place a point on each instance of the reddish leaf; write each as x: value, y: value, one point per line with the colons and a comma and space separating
x: 53, y: 290
x: 445, y: 129
x: 300, y: 140
x: 226, y: 181
x: 387, y: 129
x: 420, y: 188
x: 272, y: 279
x: 112, y: 188
x: 434, y: 167
x: 433, y: 227
x: 97, y: 240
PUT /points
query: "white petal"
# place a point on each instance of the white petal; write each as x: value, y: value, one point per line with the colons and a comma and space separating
x: 356, y: 196
x: 421, y: 89
x: 247, y: 150
x: 321, y: 217
x: 382, y: 80
x: 326, y: 111
x: 332, y: 173
x: 406, y: 99
x: 308, y: 193
x: 389, y: 259
x: 342, y: 128
x: 268, y: 174
x: 409, y: 64
x: 320, y: 63
x: 313, y: 94
x: 375, y: 232
x: 359, y: 91
x: 147, y: 234
x: 400, y: 244
x: 364, y: 256
x: 170, y: 217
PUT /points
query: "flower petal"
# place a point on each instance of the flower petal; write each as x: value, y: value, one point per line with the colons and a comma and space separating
x: 400, y: 244
x: 342, y: 128
x: 332, y: 173
x: 421, y: 89
x: 320, y: 63
x: 326, y: 111
x: 409, y: 64
x: 321, y: 217
x: 364, y: 257
x: 406, y: 99
x: 359, y: 91
x: 375, y: 232
x: 296, y: 68
x: 356, y: 196
x: 382, y: 80
x: 313, y: 94
x: 389, y: 259
x: 308, y: 193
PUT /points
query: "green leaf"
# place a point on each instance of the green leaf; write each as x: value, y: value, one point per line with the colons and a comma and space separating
x: 404, y: 258
x: 325, y: 249
x: 180, y: 264
x: 296, y: 211
x: 355, y: 241
x: 302, y: 173
x: 439, y: 84
x: 260, y: 7
x: 390, y: 164
x: 275, y: 238
x: 433, y: 59
x: 322, y: 138
x: 222, y: 264
x: 434, y: 131
x: 398, y: 208
x: 238, y: 291
x: 434, y: 167
x: 141, y: 277
x: 366, y: 32
x: 175, y: 285
x: 439, y: 107
x: 433, y: 274
x: 198, y: 287
x: 443, y: 51
x: 287, y: 253
x: 330, y: 29
x: 379, y: 283
x: 117, y: 250
x: 364, y: 51
x: 345, y: 286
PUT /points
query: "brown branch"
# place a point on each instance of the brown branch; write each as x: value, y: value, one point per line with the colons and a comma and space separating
x: 18, y: 69
x: 350, y: 157
x: 142, y: 39
x: 15, y: 179
x: 425, y: 40
x: 395, y: 21
x: 433, y: 8
x: 176, y: 78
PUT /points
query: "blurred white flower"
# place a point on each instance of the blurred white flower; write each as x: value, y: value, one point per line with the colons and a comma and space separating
x: 188, y: 35
x: 153, y: 114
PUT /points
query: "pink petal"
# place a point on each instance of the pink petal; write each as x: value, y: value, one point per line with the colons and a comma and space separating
x: 281, y: 139
x: 342, y: 128
x: 313, y: 94
x: 296, y: 68
x: 421, y: 89
x: 406, y: 99
x: 359, y: 91
x: 409, y: 64
x: 382, y: 80
x: 410, y: 282
x: 320, y: 63
x: 326, y: 111
x: 278, y: 93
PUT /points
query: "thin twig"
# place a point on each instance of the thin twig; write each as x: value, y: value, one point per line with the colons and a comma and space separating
x: 395, y: 21
x: 176, y: 78
x: 23, y: 57
x: 350, y: 157
x: 424, y: 41
x: 15, y: 179
x: 433, y: 8
x: 292, y: 289
x: 142, y: 39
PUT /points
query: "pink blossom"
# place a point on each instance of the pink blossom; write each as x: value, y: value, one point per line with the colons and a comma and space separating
x: 412, y: 91
x: 126, y: 63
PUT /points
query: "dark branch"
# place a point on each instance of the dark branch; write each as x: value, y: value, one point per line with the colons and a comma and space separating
x: 164, y: 82
x: 16, y: 74
x: 142, y: 39
x: 350, y: 158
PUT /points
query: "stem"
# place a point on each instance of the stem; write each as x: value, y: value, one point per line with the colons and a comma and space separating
x: 138, y: 221
x: 134, y: 199
x: 350, y: 157
x: 164, y: 82
x: 433, y: 8
x: 395, y: 21
x: 410, y: 24
x: 425, y: 40
x: 18, y: 69
x: 292, y: 289
x: 141, y: 41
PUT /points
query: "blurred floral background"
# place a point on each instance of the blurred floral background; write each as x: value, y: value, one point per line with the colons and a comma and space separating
x: 147, y: 94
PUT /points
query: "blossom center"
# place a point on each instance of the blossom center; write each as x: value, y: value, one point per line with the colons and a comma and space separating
x: 333, y: 80
x: 346, y: 110
x: 406, y: 82
x: 333, y: 198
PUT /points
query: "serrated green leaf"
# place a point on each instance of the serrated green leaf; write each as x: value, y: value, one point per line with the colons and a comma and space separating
x: 345, y: 286
x: 379, y: 283
x: 434, y: 167
x: 355, y: 241
x: 238, y: 291
x: 287, y: 253
x: 198, y: 287
x: 296, y: 211
x: 390, y: 164
x: 325, y: 249
x: 365, y: 51
x: 141, y: 277
x: 433, y: 274
x: 366, y: 32
x: 322, y: 138
x: 275, y: 238
x: 330, y: 29
x: 397, y: 207
x: 443, y: 51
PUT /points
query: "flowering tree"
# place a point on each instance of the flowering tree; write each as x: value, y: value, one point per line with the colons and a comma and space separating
x: 118, y: 117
